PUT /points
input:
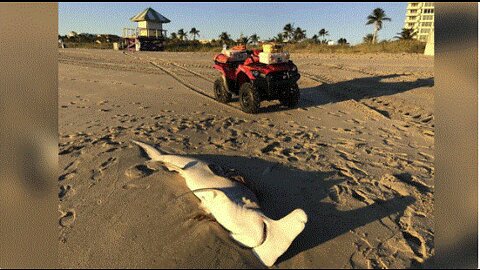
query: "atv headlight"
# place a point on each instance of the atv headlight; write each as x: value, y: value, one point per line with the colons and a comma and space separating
x: 294, y: 69
x: 256, y: 73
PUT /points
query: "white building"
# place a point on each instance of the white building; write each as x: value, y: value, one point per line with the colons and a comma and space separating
x: 420, y: 17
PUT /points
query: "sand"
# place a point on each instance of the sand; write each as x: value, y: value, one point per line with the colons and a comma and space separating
x: 357, y: 156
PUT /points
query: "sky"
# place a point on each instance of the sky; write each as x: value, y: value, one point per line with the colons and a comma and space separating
x: 266, y: 19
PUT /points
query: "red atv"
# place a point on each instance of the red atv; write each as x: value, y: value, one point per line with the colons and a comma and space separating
x: 254, y: 82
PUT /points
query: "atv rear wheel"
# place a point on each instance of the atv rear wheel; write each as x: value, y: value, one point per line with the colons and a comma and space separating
x: 249, y: 98
x: 291, y: 97
x: 220, y: 90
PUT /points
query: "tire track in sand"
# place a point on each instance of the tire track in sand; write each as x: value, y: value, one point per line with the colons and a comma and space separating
x: 186, y: 84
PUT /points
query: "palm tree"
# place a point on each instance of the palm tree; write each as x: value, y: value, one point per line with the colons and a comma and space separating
x: 254, y: 39
x: 376, y: 18
x: 323, y: 33
x: 181, y: 34
x: 173, y: 35
x: 406, y: 34
x: 194, y: 32
x: 368, y: 38
x: 315, y: 38
x: 288, y: 31
x: 243, y: 40
x: 224, y: 37
x: 342, y: 41
x: 299, y: 34
x: 279, y: 38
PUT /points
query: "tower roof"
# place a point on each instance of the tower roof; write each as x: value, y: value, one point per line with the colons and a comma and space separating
x: 150, y: 15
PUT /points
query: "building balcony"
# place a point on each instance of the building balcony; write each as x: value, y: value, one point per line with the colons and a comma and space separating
x: 411, y: 19
x: 410, y: 25
x: 144, y: 32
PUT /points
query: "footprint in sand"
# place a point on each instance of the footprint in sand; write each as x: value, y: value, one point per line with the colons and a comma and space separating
x: 414, y: 182
x: 67, y: 176
x: 68, y: 219
x: 359, y: 261
x: 337, y: 193
x: 426, y: 156
x: 71, y: 149
x: 392, y: 183
x: 96, y: 175
x: 134, y: 186
x: 428, y: 133
x: 335, y: 114
x: 107, y: 163
x: 292, y: 159
x: 362, y: 196
x: 138, y: 171
x: 270, y: 147
x: 72, y: 164
x: 64, y: 190
x: 111, y: 150
x: 416, y: 242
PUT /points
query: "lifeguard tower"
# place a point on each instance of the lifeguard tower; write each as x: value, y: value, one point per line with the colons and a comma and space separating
x: 149, y: 34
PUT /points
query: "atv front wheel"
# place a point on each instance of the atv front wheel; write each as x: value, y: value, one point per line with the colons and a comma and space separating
x: 221, y: 92
x: 249, y: 98
x: 291, y: 97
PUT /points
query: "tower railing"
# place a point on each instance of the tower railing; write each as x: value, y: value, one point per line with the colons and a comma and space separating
x: 144, y: 32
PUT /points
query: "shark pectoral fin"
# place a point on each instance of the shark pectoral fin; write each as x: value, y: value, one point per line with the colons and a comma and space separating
x: 279, y: 236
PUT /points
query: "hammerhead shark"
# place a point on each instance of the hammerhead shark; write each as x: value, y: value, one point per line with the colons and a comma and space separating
x: 234, y: 206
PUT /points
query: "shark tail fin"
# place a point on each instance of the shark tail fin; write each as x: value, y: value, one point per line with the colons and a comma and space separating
x: 280, y: 235
x: 151, y: 151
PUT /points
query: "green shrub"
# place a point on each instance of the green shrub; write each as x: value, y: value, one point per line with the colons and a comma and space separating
x: 89, y: 45
x: 397, y: 46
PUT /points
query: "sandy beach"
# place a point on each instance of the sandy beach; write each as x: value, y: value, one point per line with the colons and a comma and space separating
x: 357, y: 155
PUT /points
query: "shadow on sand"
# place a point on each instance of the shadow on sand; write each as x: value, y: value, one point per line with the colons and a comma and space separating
x: 285, y: 189
x: 360, y: 88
